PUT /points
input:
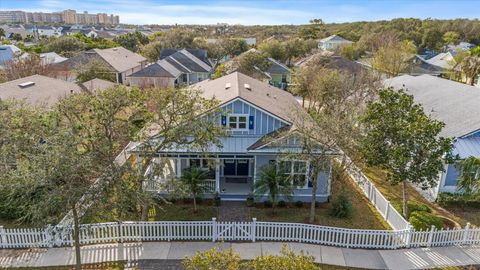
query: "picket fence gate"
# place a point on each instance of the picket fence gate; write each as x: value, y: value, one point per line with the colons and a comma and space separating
x: 131, y: 231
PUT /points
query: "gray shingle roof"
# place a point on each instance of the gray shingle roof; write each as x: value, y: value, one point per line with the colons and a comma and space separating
x: 45, y: 90
x: 120, y: 58
x: 277, y: 67
x: 153, y: 70
x: 97, y: 84
x: 455, y: 104
x: 187, y: 62
x: 269, y: 98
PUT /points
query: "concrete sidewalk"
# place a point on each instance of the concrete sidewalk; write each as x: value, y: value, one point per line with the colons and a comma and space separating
x: 419, y: 258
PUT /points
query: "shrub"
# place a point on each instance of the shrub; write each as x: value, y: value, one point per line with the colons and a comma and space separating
x: 213, y: 259
x: 414, y: 207
x: 421, y: 220
x: 341, y: 206
x: 282, y: 203
x: 267, y: 204
x: 458, y: 200
x: 187, y: 200
x: 287, y: 259
x: 299, y: 204
x: 216, y: 199
x: 199, y: 200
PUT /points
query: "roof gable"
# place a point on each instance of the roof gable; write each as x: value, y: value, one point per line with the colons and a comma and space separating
x: 120, y: 58
x: 262, y: 95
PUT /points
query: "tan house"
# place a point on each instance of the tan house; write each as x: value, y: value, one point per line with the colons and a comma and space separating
x: 121, y: 61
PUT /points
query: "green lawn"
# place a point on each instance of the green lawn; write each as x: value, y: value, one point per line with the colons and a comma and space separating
x: 394, y: 195
x: 364, y: 214
x: 183, y: 212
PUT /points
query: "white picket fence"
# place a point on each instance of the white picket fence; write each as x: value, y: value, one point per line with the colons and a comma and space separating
x: 384, y: 207
x: 236, y: 231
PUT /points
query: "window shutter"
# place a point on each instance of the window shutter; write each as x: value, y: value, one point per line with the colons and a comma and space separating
x: 250, y: 122
x: 224, y: 120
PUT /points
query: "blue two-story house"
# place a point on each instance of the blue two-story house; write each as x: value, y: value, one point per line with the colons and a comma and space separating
x: 260, y: 124
x: 457, y: 105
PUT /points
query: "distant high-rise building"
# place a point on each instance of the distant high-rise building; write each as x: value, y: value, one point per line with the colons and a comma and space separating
x: 13, y: 16
x: 68, y: 16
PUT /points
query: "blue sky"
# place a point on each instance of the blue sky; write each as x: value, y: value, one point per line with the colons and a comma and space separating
x: 250, y: 12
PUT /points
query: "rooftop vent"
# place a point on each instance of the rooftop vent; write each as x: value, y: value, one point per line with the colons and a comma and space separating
x: 26, y: 84
x: 247, y: 86
x: 228, y: 85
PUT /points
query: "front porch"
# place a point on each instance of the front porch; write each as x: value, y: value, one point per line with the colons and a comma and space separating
x: 227, y: 175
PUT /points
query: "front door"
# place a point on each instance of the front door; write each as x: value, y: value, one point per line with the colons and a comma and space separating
x: 236, y: 167
x: 242, y: 167
x: 229, y: 167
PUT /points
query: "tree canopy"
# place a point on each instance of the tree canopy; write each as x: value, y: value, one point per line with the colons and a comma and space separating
x: 401, y: 139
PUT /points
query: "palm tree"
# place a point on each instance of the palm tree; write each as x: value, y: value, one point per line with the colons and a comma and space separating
x: 273, y: 182
x: 468, y: 180
x: 194, y: 178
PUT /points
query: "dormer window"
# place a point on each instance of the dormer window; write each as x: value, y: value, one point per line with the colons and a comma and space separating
x: 238, y: 121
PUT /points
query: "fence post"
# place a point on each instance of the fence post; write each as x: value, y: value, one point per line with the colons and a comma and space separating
x: 214, y: 229
x: 387, y: 210
x: 48, y: 235
x: 254, y: 229
x: 465, y: 233
x: 3, y: 238
x: 169, y: 231
x: 430, y: 235
x: 408, y: 238
x: 120, y: 231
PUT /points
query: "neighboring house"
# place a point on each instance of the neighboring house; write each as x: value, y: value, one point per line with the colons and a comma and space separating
x: 251, y: 41
x: 10, y: 30
x: 51, y: 58
x: 462, y: 46
x: 331, y: 61
x: 176, y: 67
x: 438, y: 65
x: 261, y: 128
x: 279, y: 74
x: 6, y: 54
x: 96, y: 84
x: 48, y: 31
x: 332, y: 42
x: 456, y: 105
x: 38, y: 90
x: 121, y: 61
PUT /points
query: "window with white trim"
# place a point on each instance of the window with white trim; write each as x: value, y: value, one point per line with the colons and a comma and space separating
x: 238, y: 121
x: 296, y: 170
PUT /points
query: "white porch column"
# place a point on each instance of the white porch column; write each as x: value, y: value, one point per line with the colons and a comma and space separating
x: 217, y: 175
x: 179, y: 167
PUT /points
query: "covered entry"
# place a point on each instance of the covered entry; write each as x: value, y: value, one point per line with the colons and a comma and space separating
x: 236, y: 176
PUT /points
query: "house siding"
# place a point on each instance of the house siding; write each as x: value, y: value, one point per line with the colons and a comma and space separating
x: 262, y: 122
x: 299, y: 194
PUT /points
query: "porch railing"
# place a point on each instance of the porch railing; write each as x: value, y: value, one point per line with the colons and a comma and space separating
x: 156, y: 185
